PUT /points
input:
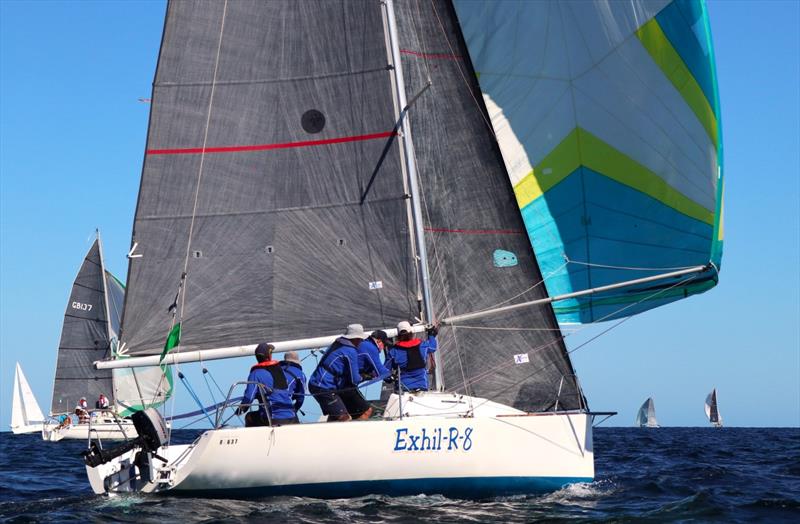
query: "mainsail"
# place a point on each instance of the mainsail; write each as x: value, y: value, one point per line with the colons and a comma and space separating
x: 646, y: 417
x: 607, y: 115
x: 84, y: 338
x: 264, y: 135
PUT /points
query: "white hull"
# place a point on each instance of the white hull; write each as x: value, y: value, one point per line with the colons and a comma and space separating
x: 480, y: 456
x: 30, y: 428
x: 97, y: 430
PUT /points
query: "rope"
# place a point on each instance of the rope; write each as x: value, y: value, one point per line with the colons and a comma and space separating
x: 203, y: 155
x: 491, y: 372
x: 628, y: 268
x: 195, y: 397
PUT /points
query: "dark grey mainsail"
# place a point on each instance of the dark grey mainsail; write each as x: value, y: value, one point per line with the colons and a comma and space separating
x: 267, y: 121
x: 478, y: 252
x: 84, y: 339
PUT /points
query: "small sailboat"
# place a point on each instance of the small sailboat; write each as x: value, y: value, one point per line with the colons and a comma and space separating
x: 90, y: 322
x: 712, y: 409
x: 284, y: 196
x: 26, y: 416
x: 646, y: 417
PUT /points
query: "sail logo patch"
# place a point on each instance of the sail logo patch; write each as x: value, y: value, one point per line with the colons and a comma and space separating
x: 436, y: 439
x: 521, y: 358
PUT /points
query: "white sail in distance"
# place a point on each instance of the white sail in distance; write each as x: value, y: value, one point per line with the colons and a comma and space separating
x: 26, y: 416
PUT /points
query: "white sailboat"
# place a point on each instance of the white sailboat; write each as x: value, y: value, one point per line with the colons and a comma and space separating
x: 712, y: 410
x: 646, y: 417
x: 262, y: 215
x: 26, y: 416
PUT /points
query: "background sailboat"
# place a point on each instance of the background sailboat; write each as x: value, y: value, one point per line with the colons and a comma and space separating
x: 91, y: 321
x: 26, y: 416
x: 712, y: 410
x: 646, y: 417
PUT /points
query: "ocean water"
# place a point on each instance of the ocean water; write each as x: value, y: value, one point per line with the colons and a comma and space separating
x: 667, y: 474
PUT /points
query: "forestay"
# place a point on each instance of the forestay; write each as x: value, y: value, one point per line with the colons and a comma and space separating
x: 478, y: 252
x: 84, y: 338
x: 267, y: 121
x: 607, y: 115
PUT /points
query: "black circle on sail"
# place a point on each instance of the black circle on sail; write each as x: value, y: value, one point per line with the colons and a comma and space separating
x: 312, y: 121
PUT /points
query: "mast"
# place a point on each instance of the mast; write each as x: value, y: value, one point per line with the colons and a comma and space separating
x: 410, y: 160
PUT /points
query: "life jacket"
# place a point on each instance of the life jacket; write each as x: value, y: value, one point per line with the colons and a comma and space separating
x: 272, y: 367
x: 413, y: 355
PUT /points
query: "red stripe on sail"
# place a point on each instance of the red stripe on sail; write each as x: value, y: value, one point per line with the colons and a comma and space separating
x: 476, y: 231
x: 267, y: 147
x: 434, y: 56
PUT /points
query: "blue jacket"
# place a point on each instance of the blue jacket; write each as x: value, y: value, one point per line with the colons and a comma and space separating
x: 398, y: 359
x: 279, y: 400
x: 297, y: 382
x: 369, y: 360
x: 338, y: 367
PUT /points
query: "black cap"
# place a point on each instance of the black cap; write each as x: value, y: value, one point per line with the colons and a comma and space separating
x: 264, y: 349
x: 380, y: 335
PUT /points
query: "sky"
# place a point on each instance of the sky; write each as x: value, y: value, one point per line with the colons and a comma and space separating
x: 72, y: 137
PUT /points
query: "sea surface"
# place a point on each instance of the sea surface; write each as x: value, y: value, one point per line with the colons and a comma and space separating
x: 651, y: 475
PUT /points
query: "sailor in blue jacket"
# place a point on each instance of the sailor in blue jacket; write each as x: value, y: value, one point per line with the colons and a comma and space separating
x: 369, y: 356
x: 334, y: 383
x: 297, y: 379
x: 410, y: 356
x: 267, y: 373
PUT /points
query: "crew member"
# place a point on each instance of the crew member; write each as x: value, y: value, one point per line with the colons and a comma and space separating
x: 296, y: 378
x: 82, y: 410
x: 369, y: 356
x: 102, y: 402
x: 334, y: 383
x: 267, y: 379
x: 410, y: 356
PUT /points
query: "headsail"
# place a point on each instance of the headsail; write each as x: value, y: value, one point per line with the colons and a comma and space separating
x: 646, y: 417
x: 478, y: 252
x: 607, y: 115
x: 25, y: 410
x: 84, y: 338
x: 255, y: 164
